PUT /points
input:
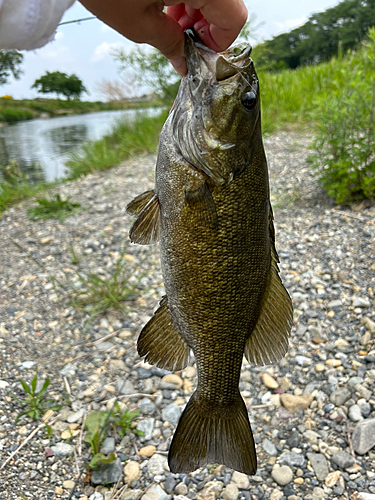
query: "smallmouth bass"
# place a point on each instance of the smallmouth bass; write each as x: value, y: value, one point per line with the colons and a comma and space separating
x: 211, y: 212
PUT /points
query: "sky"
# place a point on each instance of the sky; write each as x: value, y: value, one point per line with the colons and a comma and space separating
x: 85, y: 48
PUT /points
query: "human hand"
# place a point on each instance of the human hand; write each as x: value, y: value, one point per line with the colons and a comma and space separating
x: 217, y: 22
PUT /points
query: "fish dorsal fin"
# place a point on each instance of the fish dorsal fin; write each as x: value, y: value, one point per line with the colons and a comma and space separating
x: 161, y: 343
x: 136, y: 206
x: 268, y: 342
x: 146, y: 229
x: 201, y: 205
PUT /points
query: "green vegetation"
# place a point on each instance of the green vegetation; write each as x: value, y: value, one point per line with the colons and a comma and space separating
x: 127, y: 139
x: 55, y: 82
x: 151, y: 68
x: 12, y: 110
x: 325, y: 35
x: 53, y: 208
x: 10, y: 61
x: 96, y: 293
x: 36, y: 403
x: 345, y: 142
x: 97, y: 424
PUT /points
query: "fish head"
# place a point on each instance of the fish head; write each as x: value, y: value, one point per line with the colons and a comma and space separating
x: 216, y: 116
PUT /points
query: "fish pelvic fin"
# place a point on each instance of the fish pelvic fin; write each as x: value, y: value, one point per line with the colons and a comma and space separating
x: 203, y: 436
x: 146, y: 228
x: 269, y: 340
x: 136, y: 206
x: 161, y: 343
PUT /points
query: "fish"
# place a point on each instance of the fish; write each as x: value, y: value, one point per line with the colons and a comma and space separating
x: 210, y: 212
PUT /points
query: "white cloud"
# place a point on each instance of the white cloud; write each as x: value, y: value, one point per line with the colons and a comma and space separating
x: 59, y: 36
x: 289, y: 24
x: 104, y: 50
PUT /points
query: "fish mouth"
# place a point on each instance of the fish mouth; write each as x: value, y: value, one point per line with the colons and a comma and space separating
x: 205, y: 63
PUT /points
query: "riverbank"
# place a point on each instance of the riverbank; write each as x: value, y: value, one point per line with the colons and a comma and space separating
x: 312, y: 413
x: 12, y: 110
x: 128, y: 138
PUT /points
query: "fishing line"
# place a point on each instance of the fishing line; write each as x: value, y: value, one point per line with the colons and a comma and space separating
x: 78, y: 20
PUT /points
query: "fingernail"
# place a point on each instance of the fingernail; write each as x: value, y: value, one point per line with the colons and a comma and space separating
x: 179, y: 64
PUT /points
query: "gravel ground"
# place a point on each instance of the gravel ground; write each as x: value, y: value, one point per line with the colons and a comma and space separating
x: 312, y: 414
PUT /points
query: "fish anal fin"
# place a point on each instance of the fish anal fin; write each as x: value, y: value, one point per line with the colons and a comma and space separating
x: 146, y: 228
x: 161, y: 343
x: 205, y: 436
x: 136, y: 206
x: 268, y: 342
x: 200, y: 203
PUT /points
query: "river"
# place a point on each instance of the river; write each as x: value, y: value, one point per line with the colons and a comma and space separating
x: 42, y: 147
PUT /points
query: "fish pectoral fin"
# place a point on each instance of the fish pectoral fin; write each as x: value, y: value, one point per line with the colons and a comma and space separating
x: 268, y: 342
x: 200, y: 203
x: 161, y: 343
x: 136, y: 206
x: 146, y: 228
x: 203, y: 436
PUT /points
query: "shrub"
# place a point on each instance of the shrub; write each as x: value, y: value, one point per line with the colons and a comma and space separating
x: 344, y: 156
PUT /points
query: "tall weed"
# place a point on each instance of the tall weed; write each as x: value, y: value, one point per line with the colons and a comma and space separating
x: 344, y: 148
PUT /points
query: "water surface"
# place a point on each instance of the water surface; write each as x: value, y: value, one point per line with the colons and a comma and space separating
x: 42, y: 147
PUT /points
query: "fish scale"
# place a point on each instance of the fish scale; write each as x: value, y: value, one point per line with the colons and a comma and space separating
x: 211, y: 211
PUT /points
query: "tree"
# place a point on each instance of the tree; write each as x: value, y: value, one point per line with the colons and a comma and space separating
x: 324, y: 35
x: 150, y: 68
x: 10, y: 61
x: 55, y: 82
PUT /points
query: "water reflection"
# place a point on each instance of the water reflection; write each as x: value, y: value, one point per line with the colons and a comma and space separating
x: 41, y: 147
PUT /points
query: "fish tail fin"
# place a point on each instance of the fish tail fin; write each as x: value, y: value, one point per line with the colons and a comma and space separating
x: 204, y: 436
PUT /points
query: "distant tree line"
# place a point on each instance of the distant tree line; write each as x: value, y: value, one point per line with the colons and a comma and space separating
x: 324, y: 35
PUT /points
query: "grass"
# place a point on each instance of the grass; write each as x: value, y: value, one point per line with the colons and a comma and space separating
x: 127, y: 139
x: 53, y: 208
x: 12, y: 110
x: 97, y: 292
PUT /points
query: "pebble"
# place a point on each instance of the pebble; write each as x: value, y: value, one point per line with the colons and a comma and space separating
x: 74, y: 417
x: 363, y: 437
x: 282, y: 474
x: 173, y: 379
x: 269, y: 381
x: 181, y: 489
x: 68, y: 485
x: 332, y: 478
x: 3, y: 384
x: 292, y: 459
x: 146, y: 426
x: 296, y: 403
x: 124, y: 386
x: 355, y: 413
x: 155, y: 492
x: 319, y: 368
x: 147, y: 451
x: 230, y: 492
x: 269, y: 448
x: 342, y: 459
x: 107, y: 473
x: 340, y: 396
x: 333, y: 363
x: 320, y: 465
x: 276, y: 494
x: 367, y: 496
x: 240, y: 480
x: 146, y: 406
x: 62, y: 450
x: 108, y: 445
x: 360, y: 302
x: 155, y: 465
x: 132, y: 472
x: 171, y: 414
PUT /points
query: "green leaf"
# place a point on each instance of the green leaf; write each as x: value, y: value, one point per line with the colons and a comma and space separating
x: 100, y: 458
x: 26, y: 387
x: 34, y: 383
x: 45, y: 385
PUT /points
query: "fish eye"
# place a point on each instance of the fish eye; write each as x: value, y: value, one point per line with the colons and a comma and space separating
x: 249, y: 100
